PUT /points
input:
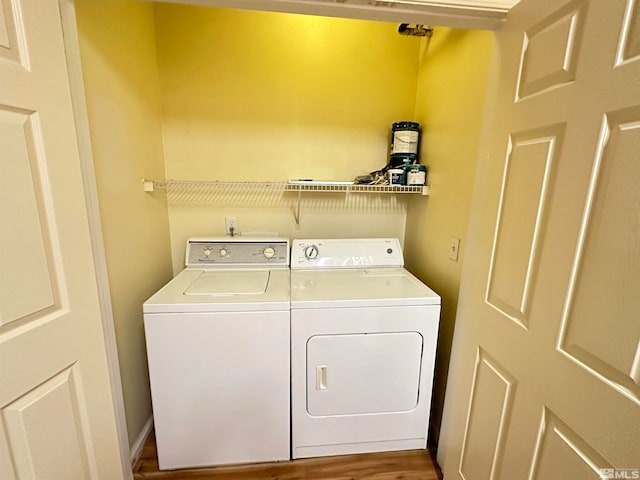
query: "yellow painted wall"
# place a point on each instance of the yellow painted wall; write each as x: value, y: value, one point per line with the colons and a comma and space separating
x: 450, y: 97
x: 118, y: 58
x: 262, y: 96
x: 258, y: 96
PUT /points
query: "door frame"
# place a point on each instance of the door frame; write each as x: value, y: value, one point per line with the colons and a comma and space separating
x: 83, y: 138
x: 74, y: 68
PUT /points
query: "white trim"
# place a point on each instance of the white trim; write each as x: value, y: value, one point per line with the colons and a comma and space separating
x: 138, y: 443
x: 488, y: 15
x: 74, y: 68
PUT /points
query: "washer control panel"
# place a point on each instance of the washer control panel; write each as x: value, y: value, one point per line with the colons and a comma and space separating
x: 237, y: 252
x: 346, y: 253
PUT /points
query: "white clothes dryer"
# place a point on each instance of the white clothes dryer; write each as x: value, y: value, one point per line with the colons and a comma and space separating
x: 363, y: 342
x: 218, y: 348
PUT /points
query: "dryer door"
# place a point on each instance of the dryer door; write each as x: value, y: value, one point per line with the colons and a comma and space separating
x: 363, y: 373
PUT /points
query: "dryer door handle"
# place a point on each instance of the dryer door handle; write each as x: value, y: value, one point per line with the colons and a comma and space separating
x: 321, y: 377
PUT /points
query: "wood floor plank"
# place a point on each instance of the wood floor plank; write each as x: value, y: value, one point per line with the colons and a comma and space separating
x: 405, y: 465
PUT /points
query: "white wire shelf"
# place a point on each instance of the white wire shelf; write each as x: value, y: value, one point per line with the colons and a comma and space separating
x: 204, y: 187
x: 194, y: 192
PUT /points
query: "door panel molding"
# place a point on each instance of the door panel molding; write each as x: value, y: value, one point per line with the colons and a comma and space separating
x: 28, y: 424
x: 600, y: 293
x: 492, y: 395
x: 560, y: 447
x: 629, y: 45
x: 13, y: 44
x: 528, y: 174
x: 550, y: 50
x: 30, y: 211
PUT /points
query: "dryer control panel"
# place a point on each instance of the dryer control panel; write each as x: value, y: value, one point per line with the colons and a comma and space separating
x: 237, y: 252
x: 346, y: 253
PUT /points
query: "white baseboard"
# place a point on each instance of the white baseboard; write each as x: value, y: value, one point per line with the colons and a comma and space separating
x: 136, y: 448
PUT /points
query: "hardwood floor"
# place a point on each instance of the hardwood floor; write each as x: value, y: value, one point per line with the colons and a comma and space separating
x: 408, y: 465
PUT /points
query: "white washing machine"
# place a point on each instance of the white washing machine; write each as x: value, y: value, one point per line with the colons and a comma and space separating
x: 363, y: 342
x: 218, y: 347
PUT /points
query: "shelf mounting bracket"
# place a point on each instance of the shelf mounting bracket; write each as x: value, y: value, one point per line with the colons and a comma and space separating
x: 296, y: 213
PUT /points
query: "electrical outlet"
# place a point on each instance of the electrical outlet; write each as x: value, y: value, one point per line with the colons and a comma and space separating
x: 454, y: 248
x: 231, y: 226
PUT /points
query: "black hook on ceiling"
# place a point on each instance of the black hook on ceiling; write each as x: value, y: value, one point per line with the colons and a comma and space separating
x: 415, y: 31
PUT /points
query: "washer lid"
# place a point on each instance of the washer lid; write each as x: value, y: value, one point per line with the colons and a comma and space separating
x: 239, y: 290
x: 216, y: 284
x: 358, y: 288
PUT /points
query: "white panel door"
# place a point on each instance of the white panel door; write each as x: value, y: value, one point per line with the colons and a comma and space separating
x: 545, y: 373
x: 56, y: 409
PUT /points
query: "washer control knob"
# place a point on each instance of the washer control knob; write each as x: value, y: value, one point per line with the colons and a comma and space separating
x: 207, y: 252
x: 311, y: 252
x: 269, y: 252
x: 223, y: 252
